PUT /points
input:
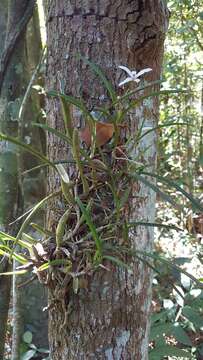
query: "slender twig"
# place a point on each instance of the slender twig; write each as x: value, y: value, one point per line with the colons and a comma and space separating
x: 13, y: 40
x: 29, y: 88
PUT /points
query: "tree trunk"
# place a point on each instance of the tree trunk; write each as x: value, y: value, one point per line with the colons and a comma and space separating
x: 109, y: 318
x: 15, y: 73
x: 5, y: 283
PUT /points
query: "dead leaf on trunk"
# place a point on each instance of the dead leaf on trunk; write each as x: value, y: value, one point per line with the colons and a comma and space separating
x: 104, y: 132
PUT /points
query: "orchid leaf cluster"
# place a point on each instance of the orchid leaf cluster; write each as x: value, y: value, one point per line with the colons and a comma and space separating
x: 92, y: 225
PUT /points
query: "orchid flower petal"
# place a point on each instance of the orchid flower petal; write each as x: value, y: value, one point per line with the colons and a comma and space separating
x: 128, y: 79
x: 141, y: 72
x: 129, y: 72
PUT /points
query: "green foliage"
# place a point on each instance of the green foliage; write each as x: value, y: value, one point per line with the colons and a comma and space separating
x: 89, y: 167
x: 29, y: 350
x: 175, y: 321
x: 91, y: 221
x: 180, y: 174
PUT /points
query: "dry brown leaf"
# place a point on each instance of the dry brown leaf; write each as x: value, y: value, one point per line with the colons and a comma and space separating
x: 104, y: 133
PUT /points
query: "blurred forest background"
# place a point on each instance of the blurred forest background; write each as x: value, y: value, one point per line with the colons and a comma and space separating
x: 177, y: 319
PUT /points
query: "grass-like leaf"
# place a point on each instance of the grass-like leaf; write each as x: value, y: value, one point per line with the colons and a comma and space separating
x: 153, y: 94
x: 155, y: 188
x: 194, y: 202
x: 17, y: 272
x: 27, y: 148
x: 171, y: 123
x: 29, y: 218
x: 5, y: 237
x: 116, y: 261
x: 43, y: 165
x: 11, y: 254
x: 71, y: 100
x: 140, y: 88
x: 53, y: 131
x: 91, y: 226
x: 170, y: 264
x: 56, y: 262
x: 41, y: 230
x: 98, y: 71
x: 153, y: 224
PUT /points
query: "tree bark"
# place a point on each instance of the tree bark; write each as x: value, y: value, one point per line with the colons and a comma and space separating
x: 109, y: 319
x: 5, y: 283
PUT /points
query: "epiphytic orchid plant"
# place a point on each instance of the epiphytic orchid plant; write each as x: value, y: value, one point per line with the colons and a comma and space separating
x: 104, y: 174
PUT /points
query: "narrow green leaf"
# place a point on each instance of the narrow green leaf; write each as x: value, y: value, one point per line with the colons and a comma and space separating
x: 60, y: 229
x: 155, y: 188
x: 153, y: 94
x: 43, y: 165
x: 27, y: 148
x: 90, y: 224
x: 29, y: 239
x: 116, y: 261
x: 67, y: 118
x: 159, y: 127
x: 56, y: 262
x: 13, y: 255
x: 17, y: 272
x: 130, y: 93
x: 98, y: 71
x: 170, y: 264
x: 7, y: 237
x: 124, y: 197
x: 53, y: 131
x: 41, y: 230
x: 28, y: 219
x: 195, y: 203
x: 77, y: 157
x: 38, y: 206
x: 143, y: 223
x: 70, y: 99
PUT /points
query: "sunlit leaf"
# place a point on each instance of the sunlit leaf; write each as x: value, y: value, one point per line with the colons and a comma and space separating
x: 28, y: 355
x: 27, y: 337
x: 17, y: 272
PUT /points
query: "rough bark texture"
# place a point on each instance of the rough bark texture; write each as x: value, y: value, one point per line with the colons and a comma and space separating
x: 109, y: 319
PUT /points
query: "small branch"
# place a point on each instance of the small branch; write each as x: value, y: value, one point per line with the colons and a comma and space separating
x: 29, y: 88
x: 13, y: 41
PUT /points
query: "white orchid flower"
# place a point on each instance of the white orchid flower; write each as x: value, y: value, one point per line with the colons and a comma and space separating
x: 132, y: 75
